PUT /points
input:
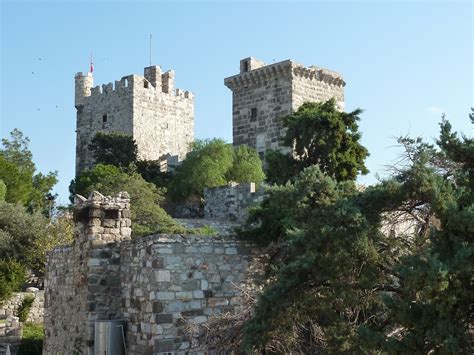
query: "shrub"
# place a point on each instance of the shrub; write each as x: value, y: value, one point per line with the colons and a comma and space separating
x: 12, y: 277
x: 25, y: 308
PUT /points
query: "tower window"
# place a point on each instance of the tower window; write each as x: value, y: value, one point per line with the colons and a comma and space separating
x: 253, y: 115
x: 104, y: 118
x: 246, y: 66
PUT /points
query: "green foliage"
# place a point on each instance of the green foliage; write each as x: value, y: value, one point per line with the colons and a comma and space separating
x: 32, y: 340
x: 205, y: 166
x: 3, y: 190
x: 246, y: 166
x: 214, y: 163
x: 320, y: 134
x: 25, y: 307
x: 12, y: 277
x: 27, y: 237
x: 147, y: 215
x: 116, y: 149
x: 150, y: 171
x: 17, y: 171
x: 340, y: 285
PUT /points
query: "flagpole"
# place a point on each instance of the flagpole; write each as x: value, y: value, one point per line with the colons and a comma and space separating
x: 150, y: 50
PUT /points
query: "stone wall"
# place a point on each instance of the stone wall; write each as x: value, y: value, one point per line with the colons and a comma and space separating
x: 10, y: 334
x: 159, y: 284
x: 10, y: 307
x: 263, y: 94
x: 231, y: 202
x: 82, y: 282
x: 160, y: 118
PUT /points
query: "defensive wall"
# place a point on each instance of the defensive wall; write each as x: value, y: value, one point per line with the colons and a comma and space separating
x: 158, y: 285
x: 231, y: 202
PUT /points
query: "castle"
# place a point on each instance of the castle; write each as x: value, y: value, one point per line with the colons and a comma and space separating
x: 158, y: 117
x: 161, y: 119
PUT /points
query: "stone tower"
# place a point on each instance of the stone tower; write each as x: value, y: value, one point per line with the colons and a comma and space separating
x: 159, y: 117
x: 263, y: 94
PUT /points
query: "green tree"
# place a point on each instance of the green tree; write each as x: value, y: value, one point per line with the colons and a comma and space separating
x: 12, y: 277
x: 205, y: 166
x: 18, y: 231
x: 432, y: 312
x: 114, y: 148
x: 214, y: 163
x: 342, y: 285
x: 318, y: 133
x: 147, y: 215
x: 17, y: 171
x: 246, y: 166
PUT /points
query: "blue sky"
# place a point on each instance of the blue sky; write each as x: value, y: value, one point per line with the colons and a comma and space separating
x: 404, y: 62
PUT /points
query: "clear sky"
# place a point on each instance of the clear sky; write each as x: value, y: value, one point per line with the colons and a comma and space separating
x: 404, y: 62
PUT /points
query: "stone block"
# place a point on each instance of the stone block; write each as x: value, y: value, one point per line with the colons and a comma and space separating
x: 165, y: 296
x: 164, y: 318
x: 163, y: 276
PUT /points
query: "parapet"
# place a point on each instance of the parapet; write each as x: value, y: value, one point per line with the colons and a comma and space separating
x: 153, y: 79
x: 103, y: 219
x: 253, y: 71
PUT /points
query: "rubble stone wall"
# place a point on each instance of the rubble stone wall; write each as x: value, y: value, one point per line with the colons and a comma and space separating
x: 159, y: 284
x: 10, y: 307
x: 231, y: 202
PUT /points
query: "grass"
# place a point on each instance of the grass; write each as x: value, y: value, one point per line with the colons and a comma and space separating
x: 32, y: 339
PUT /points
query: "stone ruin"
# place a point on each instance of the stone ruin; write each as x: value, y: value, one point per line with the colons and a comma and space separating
x: 158, y: 285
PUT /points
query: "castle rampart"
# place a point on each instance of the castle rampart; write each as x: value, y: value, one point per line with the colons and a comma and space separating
x: 158, y: 285
x: 159, y: 117
x: 263, y: 94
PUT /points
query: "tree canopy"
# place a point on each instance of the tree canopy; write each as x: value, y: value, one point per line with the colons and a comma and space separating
x: 351, y: 278
x: 318, y: 133
x: 214, y: 163
x: 18, y: 172
x: 114, y: 149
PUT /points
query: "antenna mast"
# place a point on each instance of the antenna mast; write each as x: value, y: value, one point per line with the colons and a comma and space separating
x: 150, y: 50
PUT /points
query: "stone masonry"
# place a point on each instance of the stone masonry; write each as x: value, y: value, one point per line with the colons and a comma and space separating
x: 231, y: 202
x: 159, y: 117
x: 263, y: 94
x: 160, y: 285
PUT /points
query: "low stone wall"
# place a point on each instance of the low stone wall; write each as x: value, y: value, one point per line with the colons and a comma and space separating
x: 11, y: 306
x: 231, y: 202
x: 158, y: 285
x: 10, y: 334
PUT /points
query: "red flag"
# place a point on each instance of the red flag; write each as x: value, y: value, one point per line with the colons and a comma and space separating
x: 92, y: 66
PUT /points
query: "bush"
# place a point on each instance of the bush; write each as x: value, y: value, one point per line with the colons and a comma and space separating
x: 32, y: 340
x: 25, y: 308
x: 12, y: 277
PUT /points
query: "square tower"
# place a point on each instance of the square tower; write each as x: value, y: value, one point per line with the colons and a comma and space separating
x: 263, y: 94
x: 158, y: 117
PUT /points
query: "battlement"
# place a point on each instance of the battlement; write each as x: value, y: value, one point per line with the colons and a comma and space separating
x: 253, y: 71
x: 136, y: 82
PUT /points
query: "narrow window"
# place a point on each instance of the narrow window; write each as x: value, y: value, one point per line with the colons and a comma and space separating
x: 145, y: 83
x: 104, y: 118
x: 253, y: 115
x: 246, y: 66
